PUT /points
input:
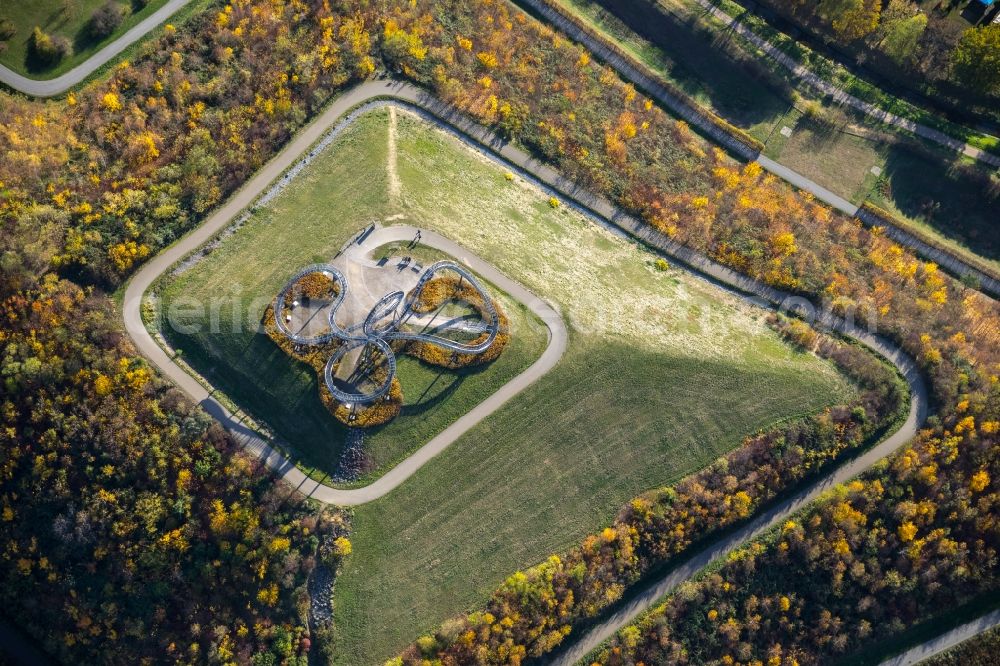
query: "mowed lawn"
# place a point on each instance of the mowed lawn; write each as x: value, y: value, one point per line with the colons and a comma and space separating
x: 64, y: 18
x: 663, y: 374
x: 920, y: 181
x: 308, y: 222
x: 666, y: 36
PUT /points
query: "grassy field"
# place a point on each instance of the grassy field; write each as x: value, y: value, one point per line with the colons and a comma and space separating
x: 943, y: 202
x: 847, y: 159
x: 926, y: 186
x: 66, y: 18
x: 663, y: 374
x: 731, y: 86
x: 919, y: 181
x: 309, y: 222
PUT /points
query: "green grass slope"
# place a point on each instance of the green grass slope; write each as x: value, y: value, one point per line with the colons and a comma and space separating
x: 64, y: 18
x: 935, y: 190
x: 663, y: 374
x: 307, y: 223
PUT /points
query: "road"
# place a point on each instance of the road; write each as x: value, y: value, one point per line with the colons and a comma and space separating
x: 60, y: 84
x: 945, y: 641
x: 843, y: 97
x: 224, y: 216
x: 593, y: 205
x: 633, y: 70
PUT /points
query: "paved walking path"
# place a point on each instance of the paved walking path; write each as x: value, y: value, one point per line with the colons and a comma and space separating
x: 227, y: 213
x: 60, y: 84
x: 374, y: 89
x: 633, y: 70
x: 843, y: 97
x: 595, y: 206
x: 945, y: 641
x: 803, y: 183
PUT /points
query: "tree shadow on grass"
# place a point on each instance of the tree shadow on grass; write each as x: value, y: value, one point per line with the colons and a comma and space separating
x: 445, y: 383
x: 957, y: 200
x: 740, y: 90
x: 819, y: 135
x: 271, y: 387
x: 52, y: 24
x: 433, y: 394
x: 85, y: 39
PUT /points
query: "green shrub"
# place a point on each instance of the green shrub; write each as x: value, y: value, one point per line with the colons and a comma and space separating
x: 47, y: 50
x: 815, y: 111
x: 7, y: 29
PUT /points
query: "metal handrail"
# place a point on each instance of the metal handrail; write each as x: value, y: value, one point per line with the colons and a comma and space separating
x: 372, y: 336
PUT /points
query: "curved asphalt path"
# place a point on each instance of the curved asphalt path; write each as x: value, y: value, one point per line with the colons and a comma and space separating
x: 596, y: 207
x: 226, y: 214
x: 645, y: 79
x: 945, y: 641
x: 839, y: 95
x: 60, y: 84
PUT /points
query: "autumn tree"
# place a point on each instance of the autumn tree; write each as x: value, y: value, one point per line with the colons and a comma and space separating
x: 976, y: 59
x: 30, y: 244
x: 47, y: 50
x: 900, y: 30
x: 403, y: 48
x: 105, y: 20
x: 7, y: 29
x: 852, y: 19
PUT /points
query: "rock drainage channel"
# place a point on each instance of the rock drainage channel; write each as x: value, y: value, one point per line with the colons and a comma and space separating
x: 596, y: 208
